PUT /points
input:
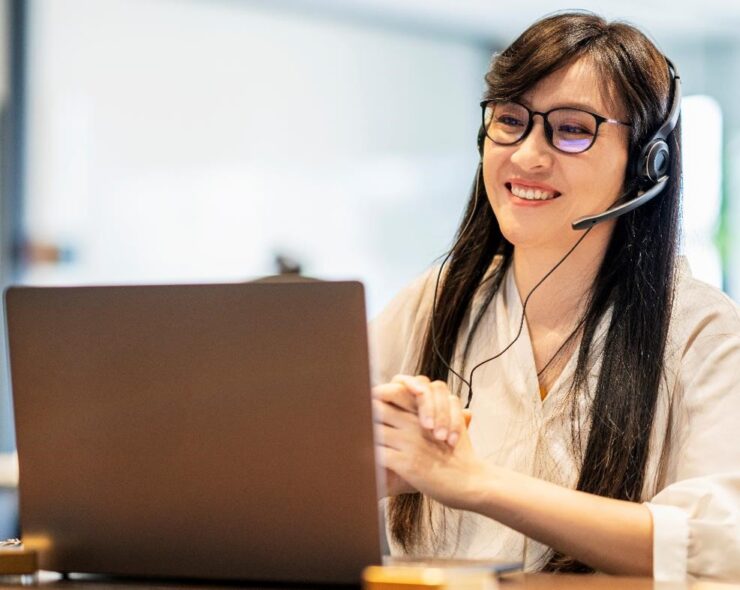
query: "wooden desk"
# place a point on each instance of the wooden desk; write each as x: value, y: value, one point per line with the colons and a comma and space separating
x: 600, y: 582
x: 508, y: 582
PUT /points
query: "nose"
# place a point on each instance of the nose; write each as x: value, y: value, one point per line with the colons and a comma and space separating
x: 534, y: 151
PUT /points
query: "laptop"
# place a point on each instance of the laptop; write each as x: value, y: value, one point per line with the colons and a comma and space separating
x: 196, y: 431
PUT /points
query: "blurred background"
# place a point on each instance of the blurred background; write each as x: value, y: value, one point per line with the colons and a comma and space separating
x: 220, y: 140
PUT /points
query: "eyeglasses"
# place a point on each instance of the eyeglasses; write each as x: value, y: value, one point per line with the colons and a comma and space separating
x: 567, y: 130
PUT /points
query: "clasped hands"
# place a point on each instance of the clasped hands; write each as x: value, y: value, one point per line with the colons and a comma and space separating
x: 422, y: 440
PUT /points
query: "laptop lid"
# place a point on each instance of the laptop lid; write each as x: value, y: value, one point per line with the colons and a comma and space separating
x: 197, y: 431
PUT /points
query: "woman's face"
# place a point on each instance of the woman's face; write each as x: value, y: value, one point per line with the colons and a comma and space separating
x: 575, y: 185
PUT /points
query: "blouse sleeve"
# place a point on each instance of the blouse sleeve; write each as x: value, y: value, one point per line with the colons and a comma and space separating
x: 398, y: 331
x: 696, y: 517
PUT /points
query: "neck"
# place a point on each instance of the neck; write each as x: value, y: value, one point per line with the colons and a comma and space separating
x: 560, y: 299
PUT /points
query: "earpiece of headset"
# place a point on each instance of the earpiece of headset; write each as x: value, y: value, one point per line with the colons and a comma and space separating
x: 655, y: 156
x: 653, y: 163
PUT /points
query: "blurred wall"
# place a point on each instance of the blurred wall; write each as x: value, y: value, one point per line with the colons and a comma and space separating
x: 192, y: 140
x: 8, y: 493
x: 7, y: 442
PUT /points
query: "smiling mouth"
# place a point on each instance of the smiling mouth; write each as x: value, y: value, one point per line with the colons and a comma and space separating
x: 531, y: 194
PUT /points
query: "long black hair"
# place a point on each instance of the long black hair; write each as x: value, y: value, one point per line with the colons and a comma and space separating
x: 635, y: 279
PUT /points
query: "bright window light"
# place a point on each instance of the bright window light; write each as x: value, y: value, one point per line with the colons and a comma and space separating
x: 702, y: 185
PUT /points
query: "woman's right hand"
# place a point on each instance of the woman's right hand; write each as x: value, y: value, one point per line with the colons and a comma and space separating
x: 438, y: 413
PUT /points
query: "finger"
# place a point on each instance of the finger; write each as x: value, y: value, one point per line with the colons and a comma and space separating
x: 441, y: 397
x: 397, y: 394
x: 390, y: 415
x: 384, y: 455
x: 386, y: 436
x: 400, y: 464
x: 385, y: 389
x: 457, y: 421
x: 415, y: 383
x: 392, y: 459
x: 421, y: 387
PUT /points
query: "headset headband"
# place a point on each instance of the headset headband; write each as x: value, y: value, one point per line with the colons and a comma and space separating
x: 672, y: 119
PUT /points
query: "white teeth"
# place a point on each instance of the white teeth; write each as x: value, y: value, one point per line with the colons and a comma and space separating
x: 531, y: 194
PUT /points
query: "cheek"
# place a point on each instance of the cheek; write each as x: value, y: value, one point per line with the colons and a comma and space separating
x: 617, y: 175
x: 615, y: 167
x: 600, y: 180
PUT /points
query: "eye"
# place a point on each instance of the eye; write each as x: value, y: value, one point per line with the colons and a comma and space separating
x: 574, y: 130
x: 510, y: 121
x: 573, y: 123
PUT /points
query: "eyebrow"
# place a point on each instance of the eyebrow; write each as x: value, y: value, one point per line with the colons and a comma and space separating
x: 566, y: 105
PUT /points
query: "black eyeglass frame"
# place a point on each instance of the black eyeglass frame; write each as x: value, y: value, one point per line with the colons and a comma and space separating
x: 546, y: 123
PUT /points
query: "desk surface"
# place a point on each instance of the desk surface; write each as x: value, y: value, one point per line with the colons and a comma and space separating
x: 509, y: 582
x: 601, y: 582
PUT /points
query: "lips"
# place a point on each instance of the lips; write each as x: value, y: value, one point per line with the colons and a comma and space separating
x: 532, y: 193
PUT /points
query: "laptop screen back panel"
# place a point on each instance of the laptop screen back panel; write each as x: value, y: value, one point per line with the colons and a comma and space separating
x: 204, y: 431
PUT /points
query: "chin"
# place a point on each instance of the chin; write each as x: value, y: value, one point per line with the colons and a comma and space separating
x: 537, y: 234
x: 524, y: 229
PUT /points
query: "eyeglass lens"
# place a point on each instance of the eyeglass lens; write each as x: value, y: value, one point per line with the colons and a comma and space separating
x: 573, y: 131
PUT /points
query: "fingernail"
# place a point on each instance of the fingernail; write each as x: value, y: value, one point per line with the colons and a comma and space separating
x: 440, y: 433
x: 453, y: 438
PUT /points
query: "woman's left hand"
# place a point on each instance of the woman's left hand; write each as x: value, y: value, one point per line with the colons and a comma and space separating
x: 448, y: 474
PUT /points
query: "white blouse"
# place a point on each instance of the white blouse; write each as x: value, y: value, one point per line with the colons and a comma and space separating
x: 694, y: 499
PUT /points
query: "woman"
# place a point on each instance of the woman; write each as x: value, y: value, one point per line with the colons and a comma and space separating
x: 599, y: 374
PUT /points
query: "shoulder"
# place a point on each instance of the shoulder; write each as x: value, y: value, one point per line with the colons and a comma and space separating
x: 701, y: 310
x: 704, y: 341
x: 703, y: 357
x: 414, y: 296
x: 396, y: 334
x: 415, y: 301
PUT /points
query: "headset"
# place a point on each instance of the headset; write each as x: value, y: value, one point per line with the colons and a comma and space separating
x: 650, y: 172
